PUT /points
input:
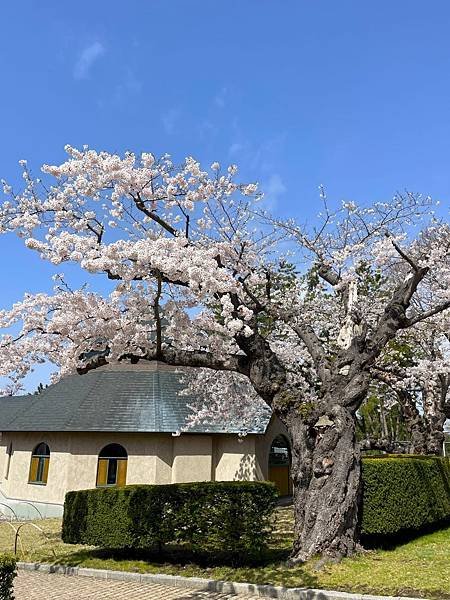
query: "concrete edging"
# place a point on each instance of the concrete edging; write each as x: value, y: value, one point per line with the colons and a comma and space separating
x: 211, y: 585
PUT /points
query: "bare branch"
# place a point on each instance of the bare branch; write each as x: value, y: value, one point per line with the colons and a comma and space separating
x: 429, y: 313
x: 403, y: 254
x: 308, y: 336
x: 140, y: 205
x: 152, y: 273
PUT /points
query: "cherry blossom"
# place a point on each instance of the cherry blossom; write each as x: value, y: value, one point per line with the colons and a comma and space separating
x: 295, y: 318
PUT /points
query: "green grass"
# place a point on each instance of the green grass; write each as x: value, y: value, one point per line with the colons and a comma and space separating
x: 420, y: 567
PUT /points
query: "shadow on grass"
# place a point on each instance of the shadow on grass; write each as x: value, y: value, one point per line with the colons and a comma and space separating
x: 179, y: 555
x: 268, y: 568
x: 390, y: 542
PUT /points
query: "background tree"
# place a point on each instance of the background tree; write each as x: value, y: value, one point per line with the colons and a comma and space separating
x: 196, y: 274
x: 417, y: 370
x: 381, y: 423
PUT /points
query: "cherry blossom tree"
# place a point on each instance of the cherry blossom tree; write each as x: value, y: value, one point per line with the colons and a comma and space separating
x: 416, y: 365
x: 417, y: 371
x: 199, y: 279
x: 409, y: 398
x: 381, y: 423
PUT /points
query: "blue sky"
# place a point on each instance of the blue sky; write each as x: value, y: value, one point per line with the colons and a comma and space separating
x: 353, y: 95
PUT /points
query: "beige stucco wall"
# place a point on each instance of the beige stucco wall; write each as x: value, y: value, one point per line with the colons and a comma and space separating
x: 73, y: 461
x: 17, y: 486
x: 192, y: 458
x: 235, y: 458
x: 152, y: 458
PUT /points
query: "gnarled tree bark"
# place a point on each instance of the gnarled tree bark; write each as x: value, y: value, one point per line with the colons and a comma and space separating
x: 327, y: 485
x: 434, y: 415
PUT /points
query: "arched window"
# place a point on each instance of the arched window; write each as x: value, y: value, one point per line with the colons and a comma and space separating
x: 279, y: 452
x: 112, y: 466
x: 40, y: 460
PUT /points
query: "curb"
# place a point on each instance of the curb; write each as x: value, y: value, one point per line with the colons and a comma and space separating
x: 210, y: 585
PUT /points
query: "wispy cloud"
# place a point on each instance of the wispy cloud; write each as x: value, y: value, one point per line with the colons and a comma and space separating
x: 263, y: 159
x: 128, y: 87
x: 273, y: 189
x: 220, y: 98
x: 170, y: 119
x: 88, y: 56
x: 236, y: 148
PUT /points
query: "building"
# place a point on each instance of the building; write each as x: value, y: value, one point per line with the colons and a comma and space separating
x: 120, y: 424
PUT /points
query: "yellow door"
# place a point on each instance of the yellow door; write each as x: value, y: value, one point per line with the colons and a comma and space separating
x: 102, y: 471
x: 280, y: 477
x: 121, y: 472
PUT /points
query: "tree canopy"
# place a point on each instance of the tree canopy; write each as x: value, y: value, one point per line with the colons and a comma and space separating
x: 204, y: 278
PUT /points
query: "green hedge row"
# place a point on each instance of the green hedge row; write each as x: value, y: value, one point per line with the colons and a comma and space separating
x: 400, y: 493
x: 404, y: 493
x: 8, y: 572
x: 230, y: 517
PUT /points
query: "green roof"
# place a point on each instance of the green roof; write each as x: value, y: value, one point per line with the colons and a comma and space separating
x: 121, y: 398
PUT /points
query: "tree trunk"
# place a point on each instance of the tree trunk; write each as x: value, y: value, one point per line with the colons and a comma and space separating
x: 414, y: 422
x: 326, y: 476
x: 385, y: 434
x: 434, y: 418
x: 435, y: 443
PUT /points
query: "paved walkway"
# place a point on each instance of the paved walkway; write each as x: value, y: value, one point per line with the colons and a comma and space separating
x: 41, y: 586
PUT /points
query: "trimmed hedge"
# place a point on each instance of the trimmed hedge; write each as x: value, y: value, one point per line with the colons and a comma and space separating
x: 401, y: 493
x: 230, y: 517
x: 404, y: 493
x: 8, y: 572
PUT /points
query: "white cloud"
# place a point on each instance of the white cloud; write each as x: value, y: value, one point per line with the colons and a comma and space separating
x: 273, y: 188
x: 170, y: 119
x: 89, y: 55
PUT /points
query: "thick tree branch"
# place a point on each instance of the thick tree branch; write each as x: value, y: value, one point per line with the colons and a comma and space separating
x: 158, y: 315
x: 308, y: 336
x: 394, y: 316
x: 179, y: 358
x: 328, y: 274
x: 388, y: 376
x: 195, y: 358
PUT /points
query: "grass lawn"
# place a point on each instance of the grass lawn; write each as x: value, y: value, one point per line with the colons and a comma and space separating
x: 420, y: 567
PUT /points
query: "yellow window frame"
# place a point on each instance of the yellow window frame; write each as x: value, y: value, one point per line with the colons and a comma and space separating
x: 35, y: 464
